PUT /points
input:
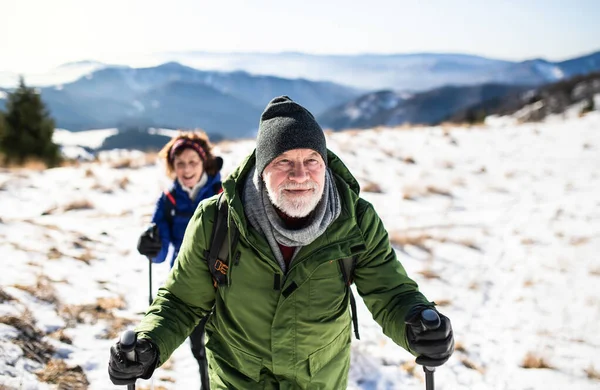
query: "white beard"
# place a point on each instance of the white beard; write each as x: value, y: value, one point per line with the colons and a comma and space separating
x: 296, y: 206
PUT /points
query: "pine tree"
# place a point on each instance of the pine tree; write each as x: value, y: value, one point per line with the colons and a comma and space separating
x: 28, y: 128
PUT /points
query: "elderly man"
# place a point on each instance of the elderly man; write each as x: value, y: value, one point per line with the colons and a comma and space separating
x: 282, y: 318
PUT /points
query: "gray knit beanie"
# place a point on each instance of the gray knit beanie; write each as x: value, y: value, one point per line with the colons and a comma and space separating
x: 286, y: 125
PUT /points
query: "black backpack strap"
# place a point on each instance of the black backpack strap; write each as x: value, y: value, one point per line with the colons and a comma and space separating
x: 217, y: 255
x: 347, y: 266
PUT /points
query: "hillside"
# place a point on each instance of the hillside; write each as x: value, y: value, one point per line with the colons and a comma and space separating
x: 498, y: 225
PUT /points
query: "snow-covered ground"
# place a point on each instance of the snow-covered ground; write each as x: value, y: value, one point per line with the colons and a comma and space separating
x: 500, y: 225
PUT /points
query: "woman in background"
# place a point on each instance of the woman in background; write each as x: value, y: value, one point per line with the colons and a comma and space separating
x: 189, y: 161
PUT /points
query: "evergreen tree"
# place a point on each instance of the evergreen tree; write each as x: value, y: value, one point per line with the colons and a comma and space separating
x: 28, y: 128
x: 2, y: 129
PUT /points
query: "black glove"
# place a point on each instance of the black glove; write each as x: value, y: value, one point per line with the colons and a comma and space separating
x: 434, y: 346
x: 149, y: 243
x: 124, y: 372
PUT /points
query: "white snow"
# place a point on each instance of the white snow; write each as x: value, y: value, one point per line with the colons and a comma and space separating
x: 504, y: 221
x: 88, y: 138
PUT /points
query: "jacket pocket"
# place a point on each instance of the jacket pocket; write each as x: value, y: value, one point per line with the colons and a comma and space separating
x: 229, y: 357
x: 321, y: 357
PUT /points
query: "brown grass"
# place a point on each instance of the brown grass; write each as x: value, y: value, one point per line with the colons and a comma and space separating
x: 89, y: 173
x: 409, y: 160
x: 4, y: 296
x: 595, y: 271
x: 429, y: 274
x: 438, y: 191
x: 86, y: 257
x: 532, y: 360
x: 54, y: 253
x: 123, y: 182
x: 460, y: 347
x: 417, y: 240
x: 575, y: 241
x: 156, y: 387
x: 592, y: 373
x: 443, y: 302
x: 103, y: 309
x: 43, y: 289
x: 57, y: 372
x: 528, y: 241
x: 30, y: 337
x: 81, y: 204
x: 61, y: 336
x: 472, y: 365
x: 371, y: 187
x: 410, y: 367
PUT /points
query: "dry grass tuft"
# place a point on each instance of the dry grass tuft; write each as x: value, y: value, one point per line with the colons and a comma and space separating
x: 575, y: 241
x: 54, y: 253
x: 42, y: 290
x: 103, y: 309
x: 592, y: 373
x: 156, y: 387
x: 123, y: 182
x: 428, y: 273
x: 472, y: 365
x: 29, y: 338
x: 89, y: 173
x: 595, y: 271
x: 167, y: 379
x: 443, y: 302
x: 409, y: 160
x: 57, y: 372
x: 528, y: 241
x: 82, y: 204
x: 403, y: 239
x: 460, y: 347
x: 372, y: 187
x: 438, y: 191
x: 410, y: 367
x: 532, y: 360
x: 5, y: 297
x: 86, y: 257
x: 61, y: 336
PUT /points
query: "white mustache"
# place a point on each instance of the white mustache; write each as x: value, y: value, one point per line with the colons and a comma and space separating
x: 310, y: 185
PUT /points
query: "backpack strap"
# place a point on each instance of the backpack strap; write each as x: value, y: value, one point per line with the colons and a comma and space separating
x: 217, y: 256
x: 347, y: 266
x: 170, y: 209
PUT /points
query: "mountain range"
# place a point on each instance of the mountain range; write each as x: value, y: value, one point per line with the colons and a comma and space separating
x: 341, y: 90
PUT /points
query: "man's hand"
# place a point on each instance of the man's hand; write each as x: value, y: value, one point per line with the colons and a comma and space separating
x: 149, y: 243
x: 434, y: 346
x: 123, y: 371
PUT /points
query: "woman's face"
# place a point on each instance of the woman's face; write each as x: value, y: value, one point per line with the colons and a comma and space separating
x: 188, y: 167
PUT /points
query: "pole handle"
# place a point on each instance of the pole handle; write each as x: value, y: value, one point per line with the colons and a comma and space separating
x: 127, y: 344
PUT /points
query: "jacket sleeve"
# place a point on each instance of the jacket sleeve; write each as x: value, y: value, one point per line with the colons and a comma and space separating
x: 188, y: 293
x: 381, y: 280
x: 164, y: 231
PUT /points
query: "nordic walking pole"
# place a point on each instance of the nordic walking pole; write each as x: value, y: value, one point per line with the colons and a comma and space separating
x: 127, y: 345
x: 430, y: 320
x: 153, y: 229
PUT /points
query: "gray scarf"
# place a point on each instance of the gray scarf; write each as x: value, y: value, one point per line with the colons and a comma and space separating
x: 262, y: 216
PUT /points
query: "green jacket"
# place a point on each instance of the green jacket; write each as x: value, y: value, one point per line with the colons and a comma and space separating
x: 259, y: 337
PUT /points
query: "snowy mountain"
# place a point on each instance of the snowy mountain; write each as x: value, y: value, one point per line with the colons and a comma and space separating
x: 499, y: 224
x: 389, y: 108
x: 175, y: 96
x: 403, y: 72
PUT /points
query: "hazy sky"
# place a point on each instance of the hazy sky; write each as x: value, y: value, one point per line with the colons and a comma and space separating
x: 39, y: 34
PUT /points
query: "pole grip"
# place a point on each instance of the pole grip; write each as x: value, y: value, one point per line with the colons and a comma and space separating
x: 127, y: 344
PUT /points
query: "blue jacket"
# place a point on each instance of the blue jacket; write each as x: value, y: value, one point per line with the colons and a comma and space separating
x: 172, y: 234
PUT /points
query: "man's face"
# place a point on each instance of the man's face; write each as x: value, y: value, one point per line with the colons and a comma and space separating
x: 295, y: 181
